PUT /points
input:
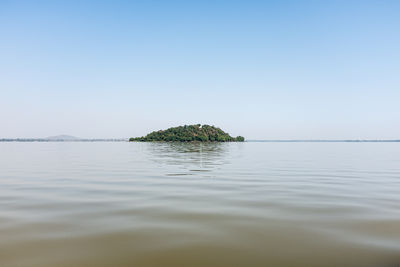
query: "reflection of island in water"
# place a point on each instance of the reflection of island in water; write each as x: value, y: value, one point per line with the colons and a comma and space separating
x: 189, y: 158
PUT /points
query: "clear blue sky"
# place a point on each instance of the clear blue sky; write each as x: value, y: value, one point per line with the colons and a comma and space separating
x: 261, y: 69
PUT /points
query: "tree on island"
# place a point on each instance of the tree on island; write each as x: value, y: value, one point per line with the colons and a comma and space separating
x: 189, y: 133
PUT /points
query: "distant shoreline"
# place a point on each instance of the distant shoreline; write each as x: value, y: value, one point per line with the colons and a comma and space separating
x: 328, y: 141
x: 61, y: 140
x: 250, y: 141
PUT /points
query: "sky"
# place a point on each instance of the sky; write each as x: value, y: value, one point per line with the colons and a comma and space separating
x: 260, y: 69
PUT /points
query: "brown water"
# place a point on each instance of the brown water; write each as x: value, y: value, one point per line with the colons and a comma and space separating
x: 238, y: 204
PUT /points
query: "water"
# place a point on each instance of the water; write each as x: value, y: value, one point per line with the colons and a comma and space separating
x: 236, y: 204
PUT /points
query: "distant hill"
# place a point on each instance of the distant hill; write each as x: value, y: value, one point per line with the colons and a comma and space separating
x: 62, y: 138
x: 189, y: 133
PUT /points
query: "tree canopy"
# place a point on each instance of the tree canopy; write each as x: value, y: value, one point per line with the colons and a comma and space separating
x: 189, y: 133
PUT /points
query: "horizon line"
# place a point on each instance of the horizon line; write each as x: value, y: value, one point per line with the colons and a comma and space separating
x: 250, y: 140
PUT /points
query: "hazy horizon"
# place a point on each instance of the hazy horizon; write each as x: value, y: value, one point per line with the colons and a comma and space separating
x: 260, y: 69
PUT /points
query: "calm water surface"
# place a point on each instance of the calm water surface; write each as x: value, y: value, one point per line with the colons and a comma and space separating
x: 238, y: 204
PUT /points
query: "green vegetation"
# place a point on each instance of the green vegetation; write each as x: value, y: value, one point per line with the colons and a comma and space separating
x: 189, y: 133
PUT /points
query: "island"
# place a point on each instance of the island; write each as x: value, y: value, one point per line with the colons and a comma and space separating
x: 189, y: 133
